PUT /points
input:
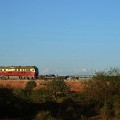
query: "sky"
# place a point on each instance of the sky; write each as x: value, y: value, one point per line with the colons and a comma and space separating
x: 61, y: 37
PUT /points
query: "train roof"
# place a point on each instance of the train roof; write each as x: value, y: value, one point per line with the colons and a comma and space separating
x: 17, y: 67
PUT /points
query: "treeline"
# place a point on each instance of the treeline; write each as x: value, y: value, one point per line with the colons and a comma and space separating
x: 100, y: 99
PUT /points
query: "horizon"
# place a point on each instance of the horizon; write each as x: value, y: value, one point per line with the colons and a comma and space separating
x: 60, y: 37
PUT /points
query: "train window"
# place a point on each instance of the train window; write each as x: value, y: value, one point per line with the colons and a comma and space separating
x: 27, y: 70
x: 32, y: 70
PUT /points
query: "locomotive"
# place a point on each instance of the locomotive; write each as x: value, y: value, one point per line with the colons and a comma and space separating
x: 20, y: 72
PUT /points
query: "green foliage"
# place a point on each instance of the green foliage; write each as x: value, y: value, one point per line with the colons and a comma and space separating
x: 76, y: 97
x: 117, y: 106
x: 103, y: 86
x: 30, y: 85
x: 107, y: 111
x: 36, y: 96
x: 101, y: 95
x: 22, y: 94
x: 41, y: 95
x: 58, y: 88
x: 6, y: 95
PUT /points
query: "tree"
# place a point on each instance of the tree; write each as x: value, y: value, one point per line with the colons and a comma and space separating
x: 103, y: 85
x: 102, y: 90
x: 58, y: 88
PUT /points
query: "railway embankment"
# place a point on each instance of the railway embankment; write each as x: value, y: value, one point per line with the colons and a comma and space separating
x: 75, y: 85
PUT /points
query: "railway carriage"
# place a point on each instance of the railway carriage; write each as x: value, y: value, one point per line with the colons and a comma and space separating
x: 20, y: 72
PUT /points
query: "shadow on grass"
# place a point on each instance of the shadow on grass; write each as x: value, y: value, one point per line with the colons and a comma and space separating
x: 14, y: 107
x: 27, y: 111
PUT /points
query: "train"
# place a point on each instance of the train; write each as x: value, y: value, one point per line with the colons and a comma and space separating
x: 19, y: 72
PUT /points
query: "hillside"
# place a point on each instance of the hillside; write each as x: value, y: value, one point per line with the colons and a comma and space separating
x: 75, y: 85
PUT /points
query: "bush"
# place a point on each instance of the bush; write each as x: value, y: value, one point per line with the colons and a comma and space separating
x: 6, y: 95
x: 21, y: 93
x: 58, y: 88
x: 107, y: 111
x: 42, y: 115
x: 117, y: 107
x: 40, y: 96
x: 103, y: 86
x: 30, y: 85
x: 76, y: 97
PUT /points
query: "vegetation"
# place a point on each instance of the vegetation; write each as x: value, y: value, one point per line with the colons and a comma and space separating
x: 101, y: 97
x: 58, y: 89
x: 42, y: 115
x: 30, y: 85
x: 104, y: 91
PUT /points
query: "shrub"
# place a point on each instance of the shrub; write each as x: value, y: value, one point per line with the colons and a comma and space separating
x: 30, y: 85
x: 40, y: 96
x: 117, y: 107
x: 107, y: 111
x: 42, y: 115
x: 76, y: 97
x: 6, y: 95
x: 103, y: 86
x: 100, y: 91
x: 58, y: 88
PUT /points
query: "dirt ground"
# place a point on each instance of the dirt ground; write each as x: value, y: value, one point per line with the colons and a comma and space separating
x: 75, y: 85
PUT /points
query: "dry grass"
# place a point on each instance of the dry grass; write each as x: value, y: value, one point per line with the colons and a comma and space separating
x: 75, y: 85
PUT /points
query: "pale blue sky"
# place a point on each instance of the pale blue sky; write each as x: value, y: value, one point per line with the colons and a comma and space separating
x: 60, y: 36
